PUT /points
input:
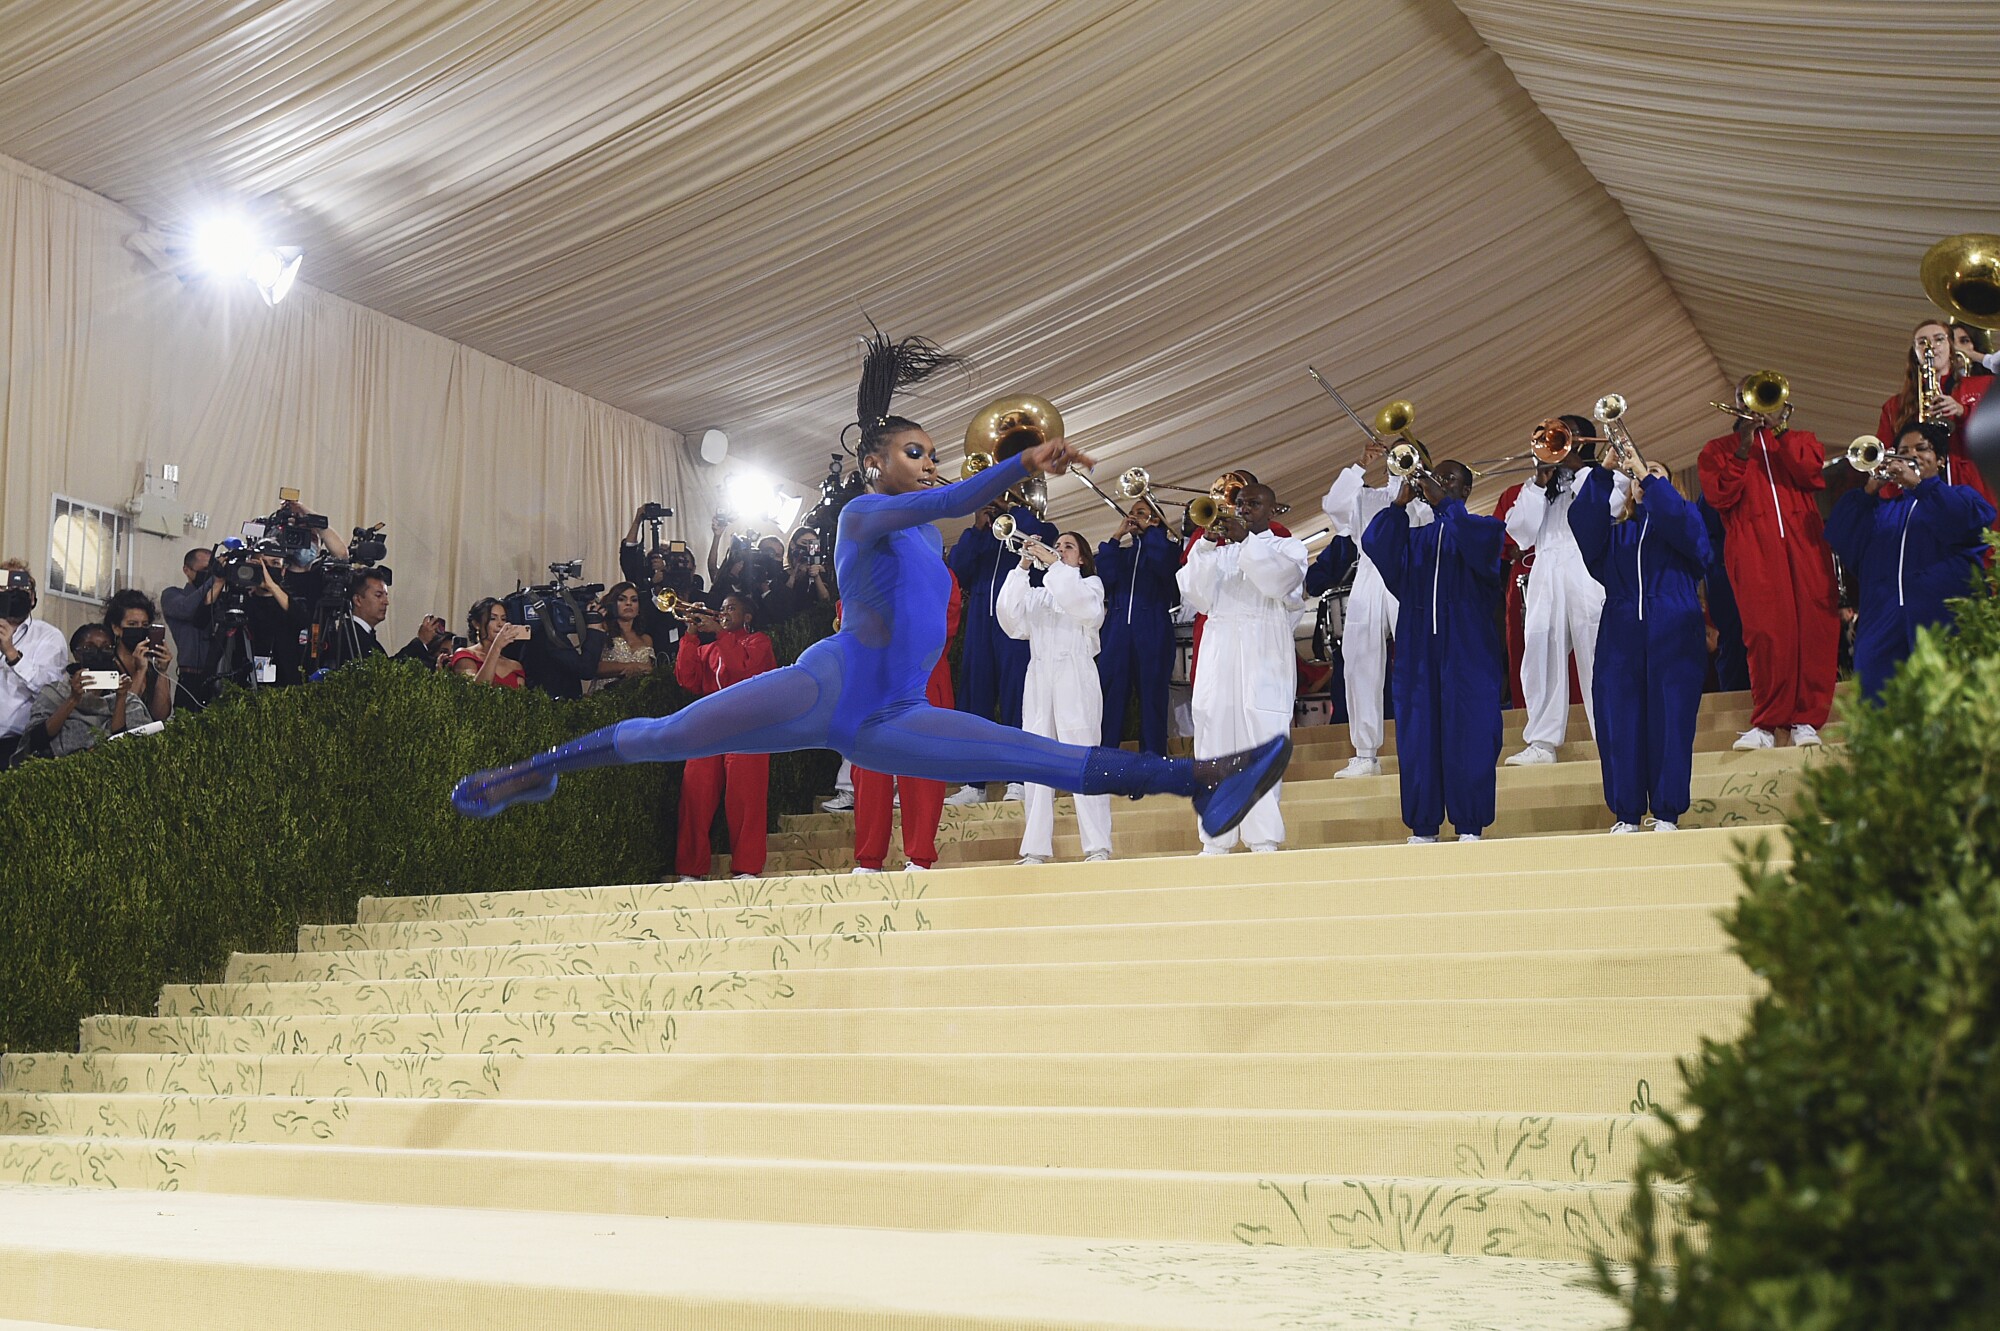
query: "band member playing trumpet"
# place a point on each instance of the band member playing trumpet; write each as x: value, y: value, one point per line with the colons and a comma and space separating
x: 1649, y: 548
x: 1761, y: 479
x: 877, y: 795
x: 1914, y: 543
x: 1562, y: 601
x: 1250, y: 583
x: 1446, y: 578
x: 1353, y: 504
x: 992, y: 666
x: 1138, y: 566
x: 1936, y: 388
x: 1059, y: 621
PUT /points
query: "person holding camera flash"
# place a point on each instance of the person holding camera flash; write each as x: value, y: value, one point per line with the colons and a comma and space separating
x: 31, y: 654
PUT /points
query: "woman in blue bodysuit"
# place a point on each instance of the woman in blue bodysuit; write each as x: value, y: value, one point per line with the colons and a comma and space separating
x: 861, y: 692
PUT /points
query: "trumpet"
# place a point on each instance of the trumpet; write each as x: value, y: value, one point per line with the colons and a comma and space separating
x: 1005, y: 531
x: 1869, y: 456
x: 668, y: 602
x: 1206, y: 510
x: 1609, y: 413
x: 1761, y: 396
x: 1406, y: 461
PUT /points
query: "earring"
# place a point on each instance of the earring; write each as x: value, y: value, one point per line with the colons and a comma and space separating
x: 871, y: 475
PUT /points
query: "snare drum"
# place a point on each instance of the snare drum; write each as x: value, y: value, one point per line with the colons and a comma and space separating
x: 1330, y: 625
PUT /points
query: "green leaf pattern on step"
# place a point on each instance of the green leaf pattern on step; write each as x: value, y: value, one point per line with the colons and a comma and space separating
x: 401, y: 1076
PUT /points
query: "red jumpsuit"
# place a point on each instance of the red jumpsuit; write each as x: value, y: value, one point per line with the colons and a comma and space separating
x: 1516, y: 565
x: 1958, y: 468
x: 1780, y: 569
x: 923, y: 801
x: 704, y: 668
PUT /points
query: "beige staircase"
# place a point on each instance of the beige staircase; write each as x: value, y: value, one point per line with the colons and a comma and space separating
x: 1355, y: 1085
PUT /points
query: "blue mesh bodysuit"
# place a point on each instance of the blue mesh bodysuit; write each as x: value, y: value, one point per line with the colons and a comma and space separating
x: 861, y: 692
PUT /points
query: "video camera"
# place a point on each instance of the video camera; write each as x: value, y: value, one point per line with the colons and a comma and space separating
x: 17, y: 597
x: 837, y: 487
x: 554, y: 606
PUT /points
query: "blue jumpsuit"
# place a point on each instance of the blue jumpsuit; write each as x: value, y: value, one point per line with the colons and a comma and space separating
x: 1732, y: 660
x: 992, y: 666
x: 1451, y: 665
x: 861, y: 692
x: 1136, y: 643
x: 1912, y: 552
x: 1322, y: 575
x: 1652, y: 646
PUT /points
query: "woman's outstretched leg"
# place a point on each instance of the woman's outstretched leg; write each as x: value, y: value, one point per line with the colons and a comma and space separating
x: 775, y: 712
x: 952, y: 746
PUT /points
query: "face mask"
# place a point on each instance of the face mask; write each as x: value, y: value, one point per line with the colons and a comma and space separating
x: 132, y: 637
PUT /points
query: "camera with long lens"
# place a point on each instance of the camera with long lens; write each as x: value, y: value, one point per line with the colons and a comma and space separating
x: 555, y: 607
x: 365, y: 550
x: 17, y: 596
x: 837, y: 487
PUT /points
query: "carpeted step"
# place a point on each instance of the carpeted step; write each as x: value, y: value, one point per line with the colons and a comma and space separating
x: 1488, y: 1080
x: 137, y: 1262
x: 1521, y: 1147
x: 1542, y: 973
x: 1491, y: 1216
x: 1390, y: 1025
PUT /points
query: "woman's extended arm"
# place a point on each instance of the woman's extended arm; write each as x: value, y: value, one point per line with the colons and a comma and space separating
x: 868, y: 517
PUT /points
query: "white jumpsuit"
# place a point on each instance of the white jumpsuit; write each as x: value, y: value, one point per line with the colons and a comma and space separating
x: 1560, y: 611
x: 1249, y: 673
x: 1061, y: 699
x: 1371, y: 611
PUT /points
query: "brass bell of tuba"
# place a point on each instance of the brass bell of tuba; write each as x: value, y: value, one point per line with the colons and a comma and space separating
x: 1961, y: 275
x: 1010, y: 425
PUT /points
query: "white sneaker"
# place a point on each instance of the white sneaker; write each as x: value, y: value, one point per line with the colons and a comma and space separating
x: 1464, y: 837
x: 1621, y: 828
x: 741, y: 876
x: 842, y: 801
x: 1421, y: 841
x: 1532, y: 756
x: 1215, y: 850
x: 1756, y: 737
x: 1033, y: 859
x: 916, y: 868
x: 1097, y: 857
x: 1265, y: 849
x: 862, y: 868
x: 1359, y: 766
x: 1015, y: 792
x: 1662, y: 825
x: 1805, y: 736
x: 967, y: 795
x: 690, y: 878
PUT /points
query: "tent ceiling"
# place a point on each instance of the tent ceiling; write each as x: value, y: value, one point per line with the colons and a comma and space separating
x: 1155, y: 213
x: 1789, y: 164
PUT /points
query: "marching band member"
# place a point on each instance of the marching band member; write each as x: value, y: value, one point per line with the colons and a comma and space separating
x: 1969, y: 343
x: 1353, y: 504
x: 1914, y: 542
x: 1732, y: 665
x: 992, y: 666
x: 1516, y: 566
x: 1561, y: 604
x: 1059, y: 621
x: 877, y: 794
x: 1138, y: 566
x: 1762, y: 481
x: 736, y: 653
x: 1446, y: 578
x: 1957, y: 394
x: 1249, y: 581
x: 1649, y: 548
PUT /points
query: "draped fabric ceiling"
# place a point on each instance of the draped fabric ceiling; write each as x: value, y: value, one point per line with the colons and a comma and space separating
x: 1155, y: 212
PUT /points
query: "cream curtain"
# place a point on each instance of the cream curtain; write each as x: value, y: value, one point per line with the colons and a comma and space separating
x: 1788, y: 161
x: 483, y: 471
x: 1154, y: 212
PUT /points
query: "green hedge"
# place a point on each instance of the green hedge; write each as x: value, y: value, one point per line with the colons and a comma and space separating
x: 1845, y: 1161
x: 149, y: 861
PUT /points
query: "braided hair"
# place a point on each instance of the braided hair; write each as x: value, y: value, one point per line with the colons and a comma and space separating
x: 886, y: 366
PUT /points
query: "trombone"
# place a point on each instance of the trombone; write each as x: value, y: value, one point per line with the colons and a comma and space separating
x: 1763, y: 397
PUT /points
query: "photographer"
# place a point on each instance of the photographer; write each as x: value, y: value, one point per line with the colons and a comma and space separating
x: 248, y: 616
x: 638, y: 563
x: 31, y: 654
x: 73, y: 714
x: 493, y: 656
x: 357, y: 635
x: 140, y: 641
x: 183, y: 607
x: 804, y: 584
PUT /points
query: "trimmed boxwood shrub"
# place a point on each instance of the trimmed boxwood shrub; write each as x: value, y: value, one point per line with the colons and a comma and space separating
x: 1845, y: 1161
x: 149, y: 861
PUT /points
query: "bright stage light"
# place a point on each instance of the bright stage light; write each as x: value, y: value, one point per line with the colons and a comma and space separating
x: 754, y: 497
x: 227, y: 246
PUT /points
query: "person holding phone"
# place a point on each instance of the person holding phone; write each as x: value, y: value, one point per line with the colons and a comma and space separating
x: 494, y: 654
x: 31, y: 654
x: 97, y: 698
x: 140, y: 639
